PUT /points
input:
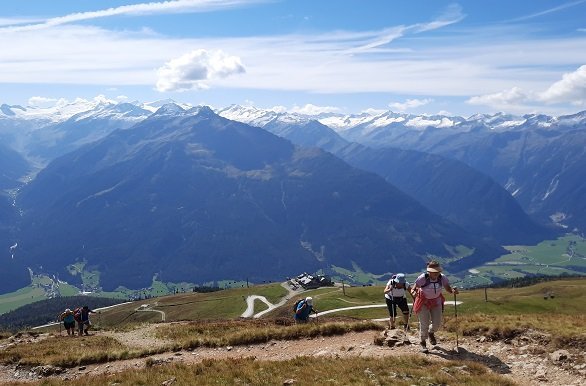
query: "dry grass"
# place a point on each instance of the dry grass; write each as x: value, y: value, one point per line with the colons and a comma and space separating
x: 562, y: 328
x: 235, y: 333
x: 401, y: 371
x: 69, y: 352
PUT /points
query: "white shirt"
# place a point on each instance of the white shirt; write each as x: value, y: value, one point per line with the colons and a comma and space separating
x: 395, y: 292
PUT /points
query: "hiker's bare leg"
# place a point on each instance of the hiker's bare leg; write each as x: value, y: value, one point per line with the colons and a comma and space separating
x: 405, y: 319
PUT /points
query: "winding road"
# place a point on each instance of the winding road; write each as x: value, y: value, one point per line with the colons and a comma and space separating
x: 249, y: 313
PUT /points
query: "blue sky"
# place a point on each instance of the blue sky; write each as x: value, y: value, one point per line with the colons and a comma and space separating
x: 348, y: 56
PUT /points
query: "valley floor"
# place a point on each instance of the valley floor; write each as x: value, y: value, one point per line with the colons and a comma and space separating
x: 521, y: 359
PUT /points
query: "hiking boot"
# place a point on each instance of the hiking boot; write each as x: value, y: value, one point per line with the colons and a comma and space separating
x: 392, y: 326
x: 432, y: 339
x: 424, y: 347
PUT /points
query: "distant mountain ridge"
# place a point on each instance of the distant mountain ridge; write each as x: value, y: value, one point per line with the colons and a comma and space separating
x: 524, y: 154
x: 189, y: 195
x: 185, y: 192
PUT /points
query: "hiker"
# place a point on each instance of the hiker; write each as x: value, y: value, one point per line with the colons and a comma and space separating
x: 303, y: 309
x: 83, y: 320
x: 429, y: 302
x: 68, y: 321
x: 395, y: 296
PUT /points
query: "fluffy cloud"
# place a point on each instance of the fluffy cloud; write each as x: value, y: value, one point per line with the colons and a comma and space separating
x: 503, y: 98
x: 192, y: 70
x: 571, y: 88
x: 409, y: 104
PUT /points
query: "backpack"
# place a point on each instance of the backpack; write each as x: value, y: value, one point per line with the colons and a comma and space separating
x: 440, y: 280
x: 297, y: 304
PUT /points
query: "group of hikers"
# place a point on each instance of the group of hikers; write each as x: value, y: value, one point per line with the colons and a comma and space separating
x: 428, y: 302
x: 79, y: 315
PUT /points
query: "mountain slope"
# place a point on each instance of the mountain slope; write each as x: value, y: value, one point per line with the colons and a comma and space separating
x: 193, y: 196
x: 12, y: 167
x: 453, y: 190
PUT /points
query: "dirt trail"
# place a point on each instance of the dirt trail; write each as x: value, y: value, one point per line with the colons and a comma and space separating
x: 519, y: 360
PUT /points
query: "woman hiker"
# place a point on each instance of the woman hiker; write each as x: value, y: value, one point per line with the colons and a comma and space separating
x: 68, y: 321
x: 429, y: 302
x: 395, y: 296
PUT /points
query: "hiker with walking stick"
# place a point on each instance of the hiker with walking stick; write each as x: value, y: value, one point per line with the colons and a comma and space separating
x: 429, y: 302
x: 395, y: 297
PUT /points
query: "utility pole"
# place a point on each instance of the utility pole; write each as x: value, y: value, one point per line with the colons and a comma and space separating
x: 485, y: 294
x: 343, y: 288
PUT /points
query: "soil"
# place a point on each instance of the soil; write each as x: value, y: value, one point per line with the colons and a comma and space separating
x: 522, y: 359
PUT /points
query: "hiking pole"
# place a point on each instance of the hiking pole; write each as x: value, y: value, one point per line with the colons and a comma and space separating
x: 456, y: 315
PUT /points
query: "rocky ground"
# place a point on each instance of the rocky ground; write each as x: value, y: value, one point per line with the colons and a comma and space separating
x: 522, y: 359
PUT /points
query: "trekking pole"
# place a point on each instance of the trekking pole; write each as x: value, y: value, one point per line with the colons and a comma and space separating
x: 456, y: 315
x: 411, y: 310
x: 392, y: 308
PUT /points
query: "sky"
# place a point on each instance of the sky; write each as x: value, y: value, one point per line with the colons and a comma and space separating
x: 310, y: 56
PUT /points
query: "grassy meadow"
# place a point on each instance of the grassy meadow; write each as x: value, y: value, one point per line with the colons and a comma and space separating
x: 506, y: 313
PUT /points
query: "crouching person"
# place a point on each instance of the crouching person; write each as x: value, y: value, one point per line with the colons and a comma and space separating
x: 303, y: 310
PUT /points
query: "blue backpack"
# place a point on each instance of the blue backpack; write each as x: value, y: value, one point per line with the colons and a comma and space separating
x: 296, y: 305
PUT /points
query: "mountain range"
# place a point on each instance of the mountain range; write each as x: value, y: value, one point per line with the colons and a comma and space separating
x: 191, y: 194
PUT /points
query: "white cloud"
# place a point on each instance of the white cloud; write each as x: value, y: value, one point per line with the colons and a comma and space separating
x: 503, y: 98
x: 310, y: 109
x: 192, y: 70
x: 39, y: 101
x: 173, y: 6
x: 571, y: 88
x: 409, y: 104
x: 550, y: 10
x: 451, y: 15
x: 336, y: 62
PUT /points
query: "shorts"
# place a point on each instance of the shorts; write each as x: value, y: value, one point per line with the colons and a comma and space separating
x: 399, y: 301
x: 68, y: 325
